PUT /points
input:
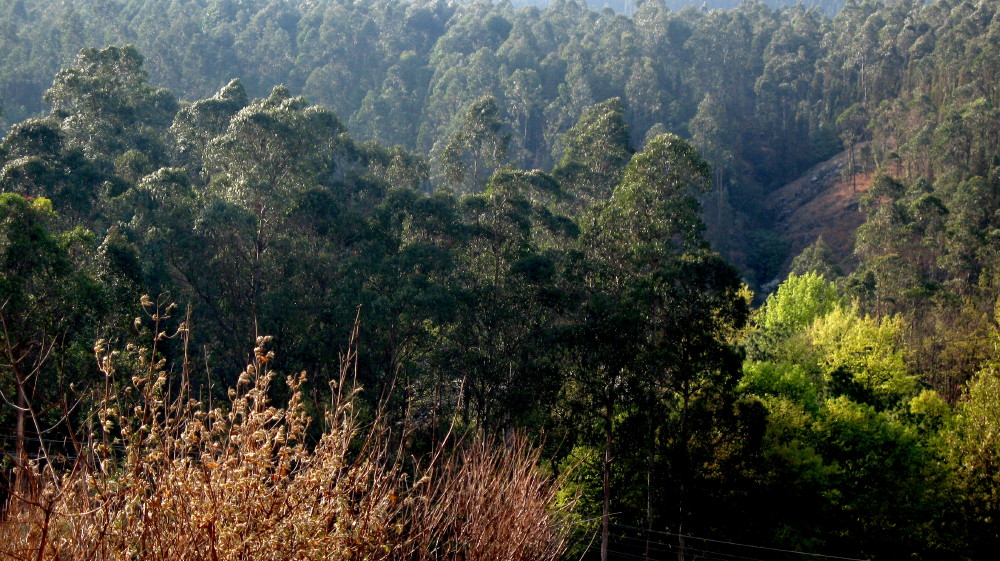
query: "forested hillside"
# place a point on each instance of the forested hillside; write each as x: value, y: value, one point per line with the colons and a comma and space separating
x: 763, y: 94
x: 628, y: 7
x: 556, y: 222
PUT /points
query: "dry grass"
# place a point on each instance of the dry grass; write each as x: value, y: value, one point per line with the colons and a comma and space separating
x: 169, y: 478
x: 487, y: 502
x: 820, y: 203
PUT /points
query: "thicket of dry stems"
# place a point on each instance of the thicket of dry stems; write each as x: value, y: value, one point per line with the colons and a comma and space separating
x: 168, y: 478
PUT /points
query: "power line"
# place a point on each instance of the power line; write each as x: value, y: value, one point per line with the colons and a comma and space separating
x: 590, y: 544
x: 659, y: 547
x: 823, y: 555
x: 675, y: 547
x: 617, y: 553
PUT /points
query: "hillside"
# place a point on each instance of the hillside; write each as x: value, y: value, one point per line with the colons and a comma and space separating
x: 628, y: 7
x: 566, y: 224
x: 822, y: 202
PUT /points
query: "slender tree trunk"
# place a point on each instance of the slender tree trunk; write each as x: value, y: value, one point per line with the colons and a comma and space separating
x: 255, y: 279
x: 20, y: 459
x: 606, y: 473
x: 650, y: 460
x: 683, y: 476
x: 851, y: 166
x: 680, y: 527
x: 474, y: 187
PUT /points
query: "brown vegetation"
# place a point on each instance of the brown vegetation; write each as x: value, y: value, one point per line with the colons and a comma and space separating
x: 168, y: 478
x: 823, y: 202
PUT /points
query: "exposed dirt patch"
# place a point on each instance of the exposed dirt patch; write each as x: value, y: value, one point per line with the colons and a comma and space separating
x: 823, y: 202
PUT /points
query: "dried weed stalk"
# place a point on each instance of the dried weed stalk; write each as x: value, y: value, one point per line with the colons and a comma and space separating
x: 166, y: 478
x: 488, y: 501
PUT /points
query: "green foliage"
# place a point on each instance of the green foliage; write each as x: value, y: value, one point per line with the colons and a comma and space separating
x: 790, y: 381
x: 799, y: 300
x: 930, y: 404
x: 39, y: 164
x: 653, y: 212
x: 844, y: 411
x: 196, y: 124
x: 595, y: 153
x: 106, y: 106
x: 816, y: 258
x: 477, y: 148
x: 582, y: 303
x: 47, y: 313
x: 27, y: 248
x: 862, y: 356
x: 273, y: 148
x: 876, y: 458
x: 974, y: 449
x: 768, y: 252
x: 762, y: 93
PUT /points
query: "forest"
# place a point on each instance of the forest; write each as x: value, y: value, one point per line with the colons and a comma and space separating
x: 389, y: 279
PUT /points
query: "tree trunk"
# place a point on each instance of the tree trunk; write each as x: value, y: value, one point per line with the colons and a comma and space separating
x: 683, y: 475
x: 650, y: 459
x: 680, y: 531
x: 606, y: 473
x: 21, y: 456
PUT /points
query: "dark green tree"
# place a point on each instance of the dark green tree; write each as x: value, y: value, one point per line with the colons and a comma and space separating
x: 595, y: 153
x: 106, y: 105
x: 477, y: 148
x: 47, y: 314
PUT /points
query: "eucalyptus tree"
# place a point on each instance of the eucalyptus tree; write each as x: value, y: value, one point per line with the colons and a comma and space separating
x: 477, y: 148
x: 595, y: 152
x: 48, y: 308
x: 195, y: 125
x: 35, y: 161
x: 515, y: 293
x: 272, y: 156
x: 648, y: 255
x: 106, y: 106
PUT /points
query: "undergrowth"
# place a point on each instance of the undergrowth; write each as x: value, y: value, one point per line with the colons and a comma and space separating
x: 163, y: 476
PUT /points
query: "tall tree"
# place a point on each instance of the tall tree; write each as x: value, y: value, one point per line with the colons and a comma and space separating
x: 595, y: 152
x: 107, y: 106
x: 477, y: 148
x: 46, y: 308
x: 648, y: 254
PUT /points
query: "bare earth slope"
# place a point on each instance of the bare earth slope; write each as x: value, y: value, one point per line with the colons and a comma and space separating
x: 820, y: 203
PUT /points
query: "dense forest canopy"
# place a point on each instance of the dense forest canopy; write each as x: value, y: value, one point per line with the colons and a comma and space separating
x: 551, y: 220
x: 763, y: 93
x: 628, y: 7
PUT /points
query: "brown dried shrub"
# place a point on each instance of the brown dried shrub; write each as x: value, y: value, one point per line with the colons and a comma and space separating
x: 169, y: 478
